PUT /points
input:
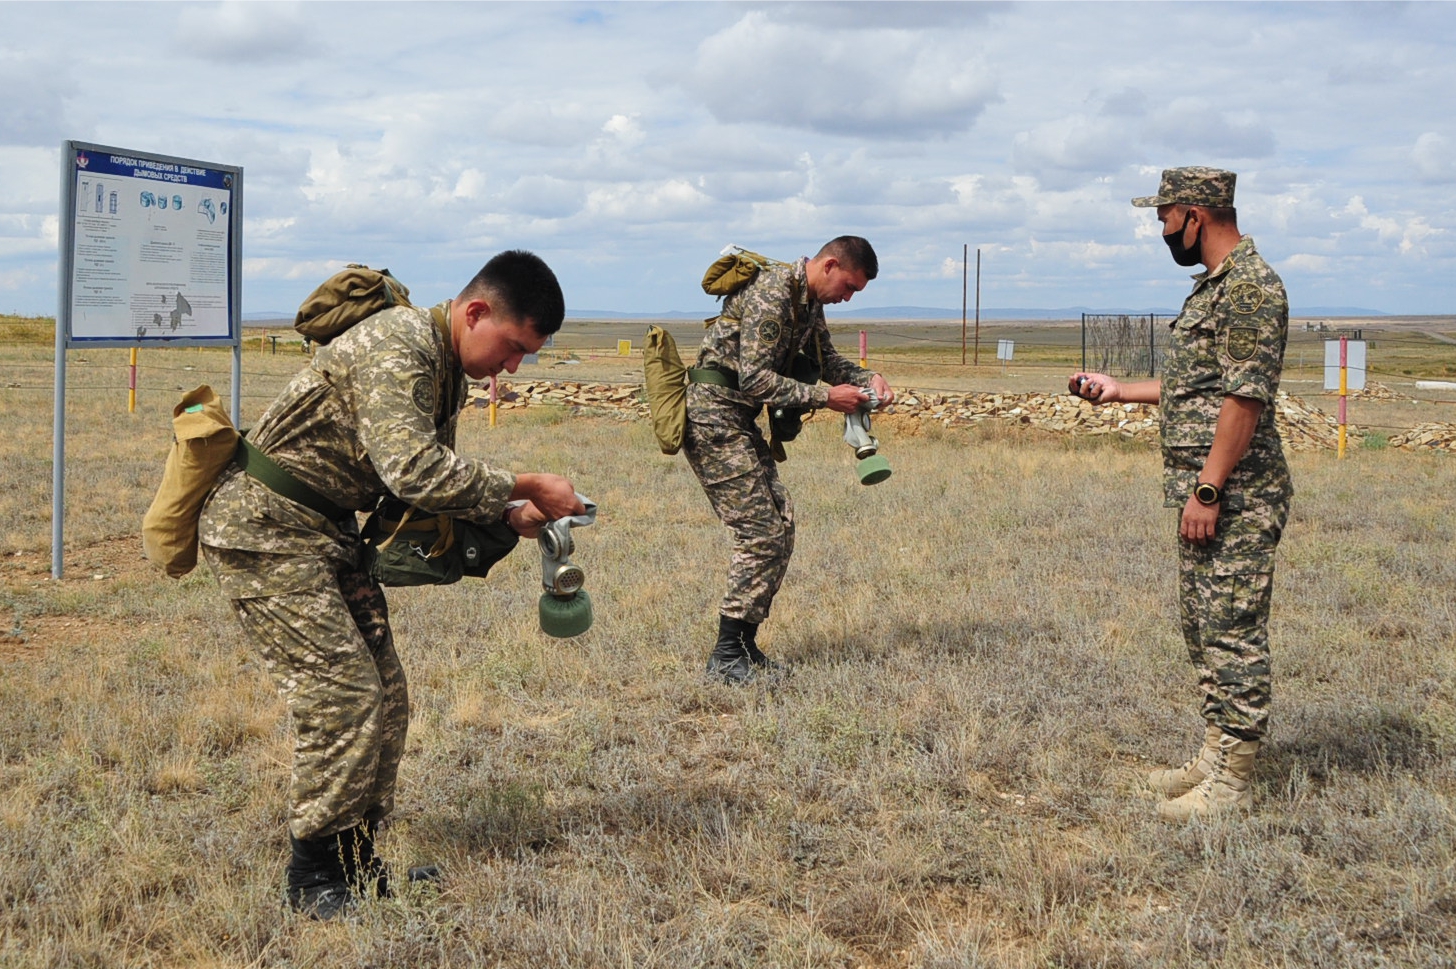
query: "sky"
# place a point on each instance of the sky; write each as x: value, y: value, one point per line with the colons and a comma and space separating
x: 627, y: 143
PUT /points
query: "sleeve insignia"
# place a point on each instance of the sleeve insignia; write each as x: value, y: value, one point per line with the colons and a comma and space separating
x: 1243, y: 342
x: 1245, y: 298
x: 769, y: 332
x: 423, y: 394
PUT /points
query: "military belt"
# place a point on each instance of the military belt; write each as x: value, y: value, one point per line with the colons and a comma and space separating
x: 713, y: 375
x: 265, y: 470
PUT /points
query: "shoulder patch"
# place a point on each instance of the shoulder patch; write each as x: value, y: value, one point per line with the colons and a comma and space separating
x: 1243, y: 342
x: 423, y: 394
x: 769, y: 332
x: 1245, y: 298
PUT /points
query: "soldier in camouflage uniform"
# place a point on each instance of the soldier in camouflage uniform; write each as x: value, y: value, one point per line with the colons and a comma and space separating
x: 745, y: 363
x: 373, y: 414
x: 1224, y: 468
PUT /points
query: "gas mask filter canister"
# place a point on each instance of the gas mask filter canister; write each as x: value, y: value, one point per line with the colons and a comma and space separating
x: 565, y: 608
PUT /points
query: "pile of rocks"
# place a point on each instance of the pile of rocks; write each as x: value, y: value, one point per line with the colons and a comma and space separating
x: 1303, y: 426
x: 1434, y: 436
x: 1373, y: 391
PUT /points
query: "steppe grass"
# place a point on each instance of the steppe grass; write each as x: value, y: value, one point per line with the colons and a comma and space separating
x: 986, y: 661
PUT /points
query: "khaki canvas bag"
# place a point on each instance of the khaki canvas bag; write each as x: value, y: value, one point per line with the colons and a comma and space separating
x: 203, y: 443
x: 667, y: 389
x: 733, y: 270
x: 345, y: 298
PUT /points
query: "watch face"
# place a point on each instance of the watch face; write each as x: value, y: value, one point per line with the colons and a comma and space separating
x: 1206, y: 493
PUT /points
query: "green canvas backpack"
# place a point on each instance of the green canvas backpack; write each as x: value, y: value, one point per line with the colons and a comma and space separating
x: 349, y: 296
x: 733, y: 270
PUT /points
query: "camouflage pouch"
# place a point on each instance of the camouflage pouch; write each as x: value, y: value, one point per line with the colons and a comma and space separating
x: 403, y: 546
x: 784, y: 423
x: 346, y: 298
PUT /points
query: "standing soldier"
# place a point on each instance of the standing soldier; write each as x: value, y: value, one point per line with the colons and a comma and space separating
x: 746, y: 361
x: 1224, y: 467
x: 373, y: 414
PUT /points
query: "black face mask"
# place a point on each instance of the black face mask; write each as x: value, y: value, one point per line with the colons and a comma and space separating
x: 1185, y: 255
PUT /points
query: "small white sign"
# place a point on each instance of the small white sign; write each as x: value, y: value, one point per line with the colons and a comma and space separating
x: 1354, y: 365
x: 1004, y: 349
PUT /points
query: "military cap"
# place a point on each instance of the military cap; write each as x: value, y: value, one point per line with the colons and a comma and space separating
x: 1197, y: 185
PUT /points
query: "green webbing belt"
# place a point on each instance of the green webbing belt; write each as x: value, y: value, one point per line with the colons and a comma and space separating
x: 261, y: 467
x: 710, y: 375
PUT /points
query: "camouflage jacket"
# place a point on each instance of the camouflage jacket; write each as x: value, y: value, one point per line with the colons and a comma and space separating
x: 762, y: 327
x: 374, y: 413
x: 1228, y: 340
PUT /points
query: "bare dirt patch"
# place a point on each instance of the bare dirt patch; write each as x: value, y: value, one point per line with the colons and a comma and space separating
x: 27, y: 622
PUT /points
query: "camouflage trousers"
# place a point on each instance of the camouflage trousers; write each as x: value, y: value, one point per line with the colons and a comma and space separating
x: 738, y: 474
x: 1225, y: 589
x: 330, y: 653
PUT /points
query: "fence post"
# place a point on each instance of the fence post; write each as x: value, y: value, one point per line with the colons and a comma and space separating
x: 1151, y: 349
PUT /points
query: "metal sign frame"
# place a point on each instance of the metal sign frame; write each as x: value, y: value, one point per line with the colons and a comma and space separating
x: 145, y: 229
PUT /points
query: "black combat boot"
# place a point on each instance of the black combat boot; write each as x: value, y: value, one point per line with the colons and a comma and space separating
x: 365, y: 872
x: 736, y: 657
x: 317, y: 884
x: 773, y: 668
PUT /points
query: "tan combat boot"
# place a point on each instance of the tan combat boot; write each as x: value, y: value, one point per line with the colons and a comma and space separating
x: 1226, y: 788
x: 1180, y: 780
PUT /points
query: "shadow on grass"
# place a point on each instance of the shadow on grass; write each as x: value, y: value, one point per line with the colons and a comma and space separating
x: 976, y: 638
x: 1323, y: 741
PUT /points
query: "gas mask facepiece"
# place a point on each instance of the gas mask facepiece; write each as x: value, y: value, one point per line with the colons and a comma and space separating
x: 565, y: 607
x: 872, y: 467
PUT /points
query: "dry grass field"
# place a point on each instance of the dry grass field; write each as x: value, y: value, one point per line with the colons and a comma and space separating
x: 986, y: 661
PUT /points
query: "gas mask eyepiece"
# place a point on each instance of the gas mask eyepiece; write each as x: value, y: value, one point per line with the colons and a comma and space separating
x: 565, y: 608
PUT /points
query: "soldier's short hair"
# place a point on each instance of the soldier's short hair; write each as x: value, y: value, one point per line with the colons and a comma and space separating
x: 1222, y: 214
x: 525, y: 284
x: 854, y: 252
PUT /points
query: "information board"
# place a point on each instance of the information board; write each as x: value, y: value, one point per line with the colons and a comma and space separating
x: 151, y: 249
x: 1354, y: 365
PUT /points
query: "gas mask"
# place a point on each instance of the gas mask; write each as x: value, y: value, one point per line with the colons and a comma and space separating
x: 872, y: 467
x: 565, y: 607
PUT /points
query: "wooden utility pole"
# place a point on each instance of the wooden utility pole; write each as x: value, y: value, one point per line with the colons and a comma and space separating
x: 965, y: 262
x: 978, y: 307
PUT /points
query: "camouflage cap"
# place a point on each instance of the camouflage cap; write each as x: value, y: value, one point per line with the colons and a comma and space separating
x: 1212, y: 187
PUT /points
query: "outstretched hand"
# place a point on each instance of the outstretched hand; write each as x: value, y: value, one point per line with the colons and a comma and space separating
x: 1096, y: 387
x: 882, y: 389
x: 846, y: 398
x: 551, y: 494
x: 526, y: 519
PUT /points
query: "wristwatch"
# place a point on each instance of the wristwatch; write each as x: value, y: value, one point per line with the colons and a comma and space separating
x: 1207, y: 494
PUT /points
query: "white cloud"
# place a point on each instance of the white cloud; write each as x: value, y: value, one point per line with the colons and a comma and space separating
x: 1409, y: 237
x: 643, y: 137
x: 669, y: 201
x: 245, y: 31
x: 544, y: 196
x: 1306, y: 262
x: 1435, y: 158
x: 1200, y: 127
x: 293, y: 269
x: 1064, y: 152
x: 33, y: 100
x: 844, y: 82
